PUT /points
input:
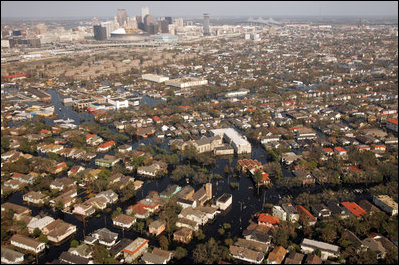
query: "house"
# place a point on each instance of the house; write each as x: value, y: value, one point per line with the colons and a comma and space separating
x: 83, y: 250
x: 328, y: 151
x: 186, y: 203
x: 104, y: 147
x: 279, y: 212
x: 97, y: 202
x: 62, y: 184
x: 194, y: 215
x: 135, y: 249
x: 156, y: 227
x: 183, y: 235
x: 313, y: 259
x: 123, y: 221
x: 69, y: 258
x: 336, y: 209
x: 107, y: 161
x: 60, y: 167
x: 392, y: 124
x: 308, y: 246
x: 157, y: 256
x: 184, y: 222
x: 109, y: 195
x: 58, y: 230
x: 203, y: 194
x: 170, y: 191
x: 292, y: 213
x: 9, y: 256
x: 277, y: 255
x: 387, y: 204
x: 321, y: 211
x: 151, y: 170
x: 93, y: 139
x: 39, y: 223
x: 27, y: 243
x: 251, y: 244
x: 354, y: 208
x: 138, y: 210
x: 224, y: 201
x: 35, y: 197
x: 28, y: 179
x: 340, y: 151
x: 294, y: 258
x: 149, y: 205
x: 305, y: 176
x: 85, y: 209
x: 125, y: 148
x: 105, y: 237
x: 247, y: 255
x: 116, y: 250
x: 19, y: 211
x: 209, y: 211
x: 75, y: 170
x: 13, y: 184
x: 67, y: 199
x: 268, y: 220
x: 305, y: 216
x: 375, y: 246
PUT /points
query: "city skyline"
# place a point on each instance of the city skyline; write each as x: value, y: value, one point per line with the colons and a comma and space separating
x: 60, y: 9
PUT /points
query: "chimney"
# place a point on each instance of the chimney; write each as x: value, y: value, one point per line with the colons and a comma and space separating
x: 208, y: 189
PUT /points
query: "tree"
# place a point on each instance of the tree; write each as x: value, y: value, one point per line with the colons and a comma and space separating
x: 36, y: 232
x: 43, y: 238
x: 74, y: 243
x: 163, y: 242
x: 101, y: 255
x: 169, y: 215
x: 209, y: 253
x: 258, y: 178
x: 221, y: 231
x: 199, y: 234
x: 180, y: 253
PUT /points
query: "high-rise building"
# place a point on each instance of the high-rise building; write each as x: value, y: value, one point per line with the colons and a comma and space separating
x: 206, y: 25
x: 100, y: 33
x: 109, y: 27
x: 151, y: 24
x: 121, y: 16
x: 164, y: 26
x: 169, y: 19
x: 144, y: 11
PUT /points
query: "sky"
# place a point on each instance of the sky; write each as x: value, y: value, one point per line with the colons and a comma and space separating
x: 39, y: 9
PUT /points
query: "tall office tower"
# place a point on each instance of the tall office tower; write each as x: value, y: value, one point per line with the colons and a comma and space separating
x: 151, y: 24
x: 121, y: 16
x: 140, y: 24
x: 164, y: 26
x: 100, y: 33
x: 169, y: 19
x: 144, y: 11
x: 109, y: 27
x: 206, y: 25
x: 178, y: 22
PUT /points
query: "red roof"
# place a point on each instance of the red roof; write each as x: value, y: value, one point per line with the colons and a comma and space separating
x: 298, y: 127
x: 308, y: 214
x: 392, y: 120
x: 90, y: 136
x: 355, y: 169
x: 328, y: 150
x: 266, y: 218
x: 184, y: 107
x: 156, y: 118
x: 265, y: 176
x: 378, y: 146
x: 139, y: 209
x: 137, y: 249
x: 14, y: 76
x: 44, y: 131
x: 56, y: 128
x: 107, y: 144
x: 148, y: 206
x: 354, y: 208
x: 339, y: 149
x: 360, y: 147
x: 267, y: 104
x: 62, y: 164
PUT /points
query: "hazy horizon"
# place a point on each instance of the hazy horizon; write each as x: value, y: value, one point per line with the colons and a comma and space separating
x: 87, y: 9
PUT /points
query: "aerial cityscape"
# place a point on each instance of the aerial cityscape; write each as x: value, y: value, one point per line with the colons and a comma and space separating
x: 199, y: 132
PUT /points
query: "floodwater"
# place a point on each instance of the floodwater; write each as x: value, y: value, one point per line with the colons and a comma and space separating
x: 246, y: 201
